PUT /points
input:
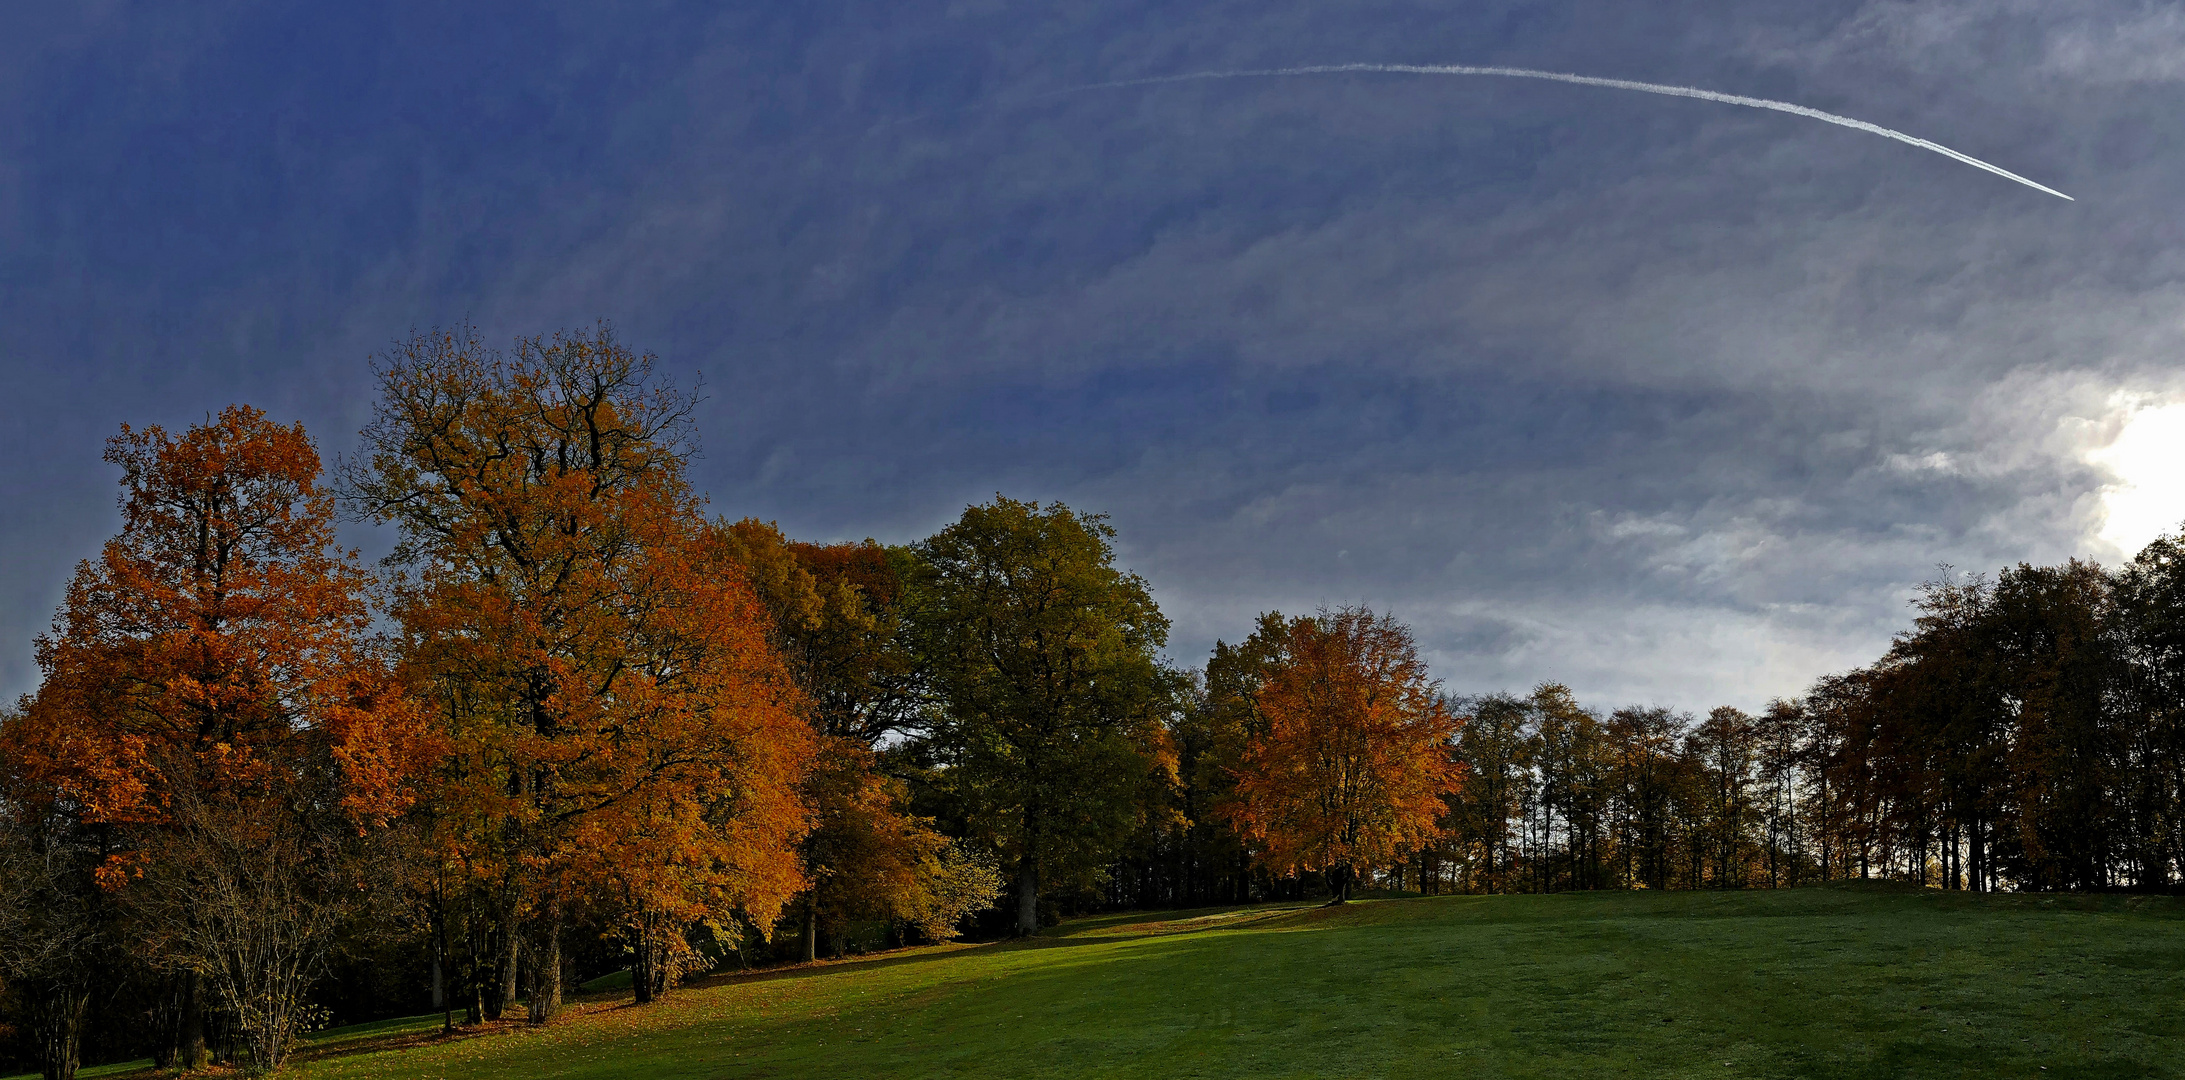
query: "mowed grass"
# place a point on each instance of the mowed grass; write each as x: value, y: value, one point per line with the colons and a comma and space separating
x: 1837, y: 982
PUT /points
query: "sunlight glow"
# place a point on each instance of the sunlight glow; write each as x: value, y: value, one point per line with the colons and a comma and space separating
x: 2148, y: 461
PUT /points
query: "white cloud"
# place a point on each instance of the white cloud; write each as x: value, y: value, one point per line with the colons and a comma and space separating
x: 2146, y: 461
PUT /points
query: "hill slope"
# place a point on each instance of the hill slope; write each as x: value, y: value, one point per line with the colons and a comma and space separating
x: 1808, y: 983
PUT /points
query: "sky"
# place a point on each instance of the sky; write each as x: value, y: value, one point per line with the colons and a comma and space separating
x: 1673, y: 402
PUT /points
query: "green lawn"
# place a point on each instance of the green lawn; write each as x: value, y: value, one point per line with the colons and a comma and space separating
x: 1833, y: 982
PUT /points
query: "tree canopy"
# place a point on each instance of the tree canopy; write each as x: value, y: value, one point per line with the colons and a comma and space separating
x: 1048, y: 698
x: 1354, y: 764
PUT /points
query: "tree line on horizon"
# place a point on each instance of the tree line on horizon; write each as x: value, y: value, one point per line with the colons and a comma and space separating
x: 2026, y: 733
x: 576, y: 724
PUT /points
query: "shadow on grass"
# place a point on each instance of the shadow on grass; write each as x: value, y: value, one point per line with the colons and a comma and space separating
x: 345, y: 1044
x: 1077, y: 932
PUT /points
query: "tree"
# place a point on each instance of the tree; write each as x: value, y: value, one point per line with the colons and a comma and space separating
x: 2150, y: 636
x: 870, y: 859
x: 56, y: 927
x: 1644, y: 774
x: 2058, y: 670
x: 1210, y: 737
x: 1497, y: 754
x: 621, y: 730
x: 1779, y: 741
x: 1047, y: 697
x: 213, y: 704
x: 1725, y: 747
x: 1355, y: 762
x: 1570, y: 753
x: 837, y: 620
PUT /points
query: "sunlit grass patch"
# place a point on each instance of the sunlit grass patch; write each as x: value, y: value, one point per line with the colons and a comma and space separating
x: 1839, y: 982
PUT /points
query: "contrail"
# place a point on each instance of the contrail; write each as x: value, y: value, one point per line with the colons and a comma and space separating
x: 1581, y: 80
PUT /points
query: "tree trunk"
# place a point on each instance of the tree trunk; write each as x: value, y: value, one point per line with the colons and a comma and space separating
x: 644, y: 961
x: 182, y: 1023
x: 546, y: 970
x: 441, y: 998
x: 811, y: 926
x: 476, y: 947
x: 1028, y: 876
x: 503, y: 997
x: 1027, y: 896
x: 190, y: 1049
x: 56, y: 1021
x: 1339, y: 884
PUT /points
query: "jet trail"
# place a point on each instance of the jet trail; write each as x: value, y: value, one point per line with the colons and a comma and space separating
x: 1581, y: 80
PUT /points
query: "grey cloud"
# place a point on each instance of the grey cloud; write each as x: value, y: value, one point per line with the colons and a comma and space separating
x: 1663, y: 400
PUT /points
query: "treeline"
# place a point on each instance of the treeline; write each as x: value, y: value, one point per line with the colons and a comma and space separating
x: 577, y: 724
x: 2026, y: 733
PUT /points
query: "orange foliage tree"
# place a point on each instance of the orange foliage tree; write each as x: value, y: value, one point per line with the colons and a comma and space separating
x: 837, y: 621
x: 213, y: 702
x: 622, y: 736
x: 1353, y: 761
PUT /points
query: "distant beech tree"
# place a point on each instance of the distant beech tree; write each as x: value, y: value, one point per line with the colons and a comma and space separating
x: 622, y: 734
x: 1046, y: 696
x: 214, y: 709
x: 1725, y: 747
x: 1494, y: 746
x: 2150, y: 636
x: 1352, y: 769
x: 1645, y: 773
x: 1574, y: 765
x: 1779, y: 734
x: 838, y: 622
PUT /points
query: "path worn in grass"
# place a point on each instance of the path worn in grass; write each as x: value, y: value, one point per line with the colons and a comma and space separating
x: 1806, y: 983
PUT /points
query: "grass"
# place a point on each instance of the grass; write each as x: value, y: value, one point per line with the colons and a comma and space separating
x: 1838, y: 982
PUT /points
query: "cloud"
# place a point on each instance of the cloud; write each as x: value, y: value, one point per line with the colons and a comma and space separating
x: 1665, y: 401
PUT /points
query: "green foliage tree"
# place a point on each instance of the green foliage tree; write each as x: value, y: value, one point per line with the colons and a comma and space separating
x: 1493, y: 743
x: 837, y: 619
x: 1211, y: 737
x: 2149, y: 614
x: 1046, y: 692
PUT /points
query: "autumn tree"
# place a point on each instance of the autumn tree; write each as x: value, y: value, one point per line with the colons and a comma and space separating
x: 837, y: 620
x: 870, y: 859
x: 621, y: 732
x: 214, y: 706
x: 2057, y: 669
x: 838, y: 623
x: 1779, y: 738
x: 1046, y: 696
x: 1355, y: 762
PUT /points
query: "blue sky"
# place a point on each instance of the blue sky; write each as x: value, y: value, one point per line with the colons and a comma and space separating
x: 1672, y: 401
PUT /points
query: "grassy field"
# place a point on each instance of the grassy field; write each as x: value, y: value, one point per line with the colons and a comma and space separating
x: 1835, y: 982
